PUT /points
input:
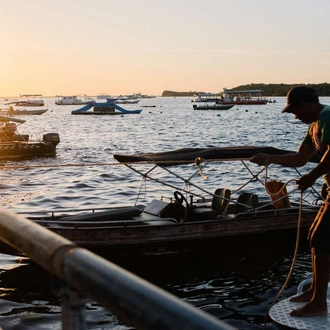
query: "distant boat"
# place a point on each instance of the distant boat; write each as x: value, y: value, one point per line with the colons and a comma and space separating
x: 73, y: 99
x: 103, y: 108
x: 243, y: 97
x: 22, y: 112
x: 213, y: 106
x: 103, y: 96
x: 206, y: 97
x: 28, y: 100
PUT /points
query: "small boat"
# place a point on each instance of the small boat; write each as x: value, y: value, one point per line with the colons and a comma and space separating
x: 215, y: 106
x: 22, y: 112
x: 280, y: 313
x: 28, y: 100
x: 104, y: 108
x: 73, y: 99
x: 192, y: 217
x: 15, y: 146
x: 243, y: 97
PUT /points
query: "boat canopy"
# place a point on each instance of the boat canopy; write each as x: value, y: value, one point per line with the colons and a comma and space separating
x: 244, y: 91
x: 8, y: 119
x: 189, y: 155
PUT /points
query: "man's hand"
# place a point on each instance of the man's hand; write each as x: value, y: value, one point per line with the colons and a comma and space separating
x: 261, y: 159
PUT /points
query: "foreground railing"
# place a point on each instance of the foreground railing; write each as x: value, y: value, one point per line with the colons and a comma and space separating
x: 81, y: 275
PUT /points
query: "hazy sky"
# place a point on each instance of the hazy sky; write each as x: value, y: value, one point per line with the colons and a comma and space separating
x: 129, y: 46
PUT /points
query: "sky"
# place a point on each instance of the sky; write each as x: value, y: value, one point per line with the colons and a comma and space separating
x: 69, y: 47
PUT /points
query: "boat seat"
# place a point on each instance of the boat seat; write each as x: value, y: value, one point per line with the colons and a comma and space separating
x: 219, y: 206
x: 123, y: 213
x: 245, y: 202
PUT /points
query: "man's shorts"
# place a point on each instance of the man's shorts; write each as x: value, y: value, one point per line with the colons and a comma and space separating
x: 319, y: 232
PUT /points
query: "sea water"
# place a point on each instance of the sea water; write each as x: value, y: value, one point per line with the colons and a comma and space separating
x: 84, y: 174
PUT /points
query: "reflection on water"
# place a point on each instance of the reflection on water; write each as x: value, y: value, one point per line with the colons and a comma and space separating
x: 237, y: 287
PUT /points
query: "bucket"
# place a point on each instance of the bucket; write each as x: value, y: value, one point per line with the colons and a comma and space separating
x: 275, y: 189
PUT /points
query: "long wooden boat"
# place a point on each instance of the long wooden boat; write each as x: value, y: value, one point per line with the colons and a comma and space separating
x: 191, y: 219
x: 15, y: 146
x: 22, y: 112
x: 213, y: 106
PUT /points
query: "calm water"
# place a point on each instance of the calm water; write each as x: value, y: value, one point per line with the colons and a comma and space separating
x: 236, y: 288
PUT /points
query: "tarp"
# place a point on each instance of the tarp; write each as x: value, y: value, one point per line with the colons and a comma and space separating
x: 189, y: 155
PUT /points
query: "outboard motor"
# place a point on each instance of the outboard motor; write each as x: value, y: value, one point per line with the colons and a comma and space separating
x: 52, y: 138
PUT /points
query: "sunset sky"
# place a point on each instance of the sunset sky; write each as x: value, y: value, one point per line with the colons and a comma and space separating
x: 129, y: 46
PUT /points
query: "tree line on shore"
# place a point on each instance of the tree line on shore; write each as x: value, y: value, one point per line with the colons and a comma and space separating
x: 322, y: 89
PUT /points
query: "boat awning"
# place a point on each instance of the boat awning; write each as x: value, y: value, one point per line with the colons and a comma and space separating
x: 15, y: 120
x: 189, y: 155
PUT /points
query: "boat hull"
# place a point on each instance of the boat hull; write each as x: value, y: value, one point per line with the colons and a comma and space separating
x: 255, y: 102
x: 213, y: 107
x: 147, y: 237
x: 22, y: 150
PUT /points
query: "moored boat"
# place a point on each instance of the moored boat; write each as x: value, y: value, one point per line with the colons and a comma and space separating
x: 22, y: 112
x: 243, y: 97
x: 73, y: 99
x: 15, y: 146
x: 28, y: 100
x: 192, y: 218
x: 216, y: 106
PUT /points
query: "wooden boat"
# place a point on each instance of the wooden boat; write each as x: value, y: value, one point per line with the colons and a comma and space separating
x: 191, y: 219
x: 215, y: 106
x: 104, y: 108
x: 14, y: 146
x: 22, y: 112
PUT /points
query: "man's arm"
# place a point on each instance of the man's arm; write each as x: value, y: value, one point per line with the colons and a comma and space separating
x: 322, y: 168
x: 300, y: 158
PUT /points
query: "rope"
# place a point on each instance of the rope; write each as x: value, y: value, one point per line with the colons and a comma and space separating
x: 296, y: 245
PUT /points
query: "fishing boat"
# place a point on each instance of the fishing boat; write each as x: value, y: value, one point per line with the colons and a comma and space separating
x: 28, y: 100
x: 73, y: 99
x: 279, y: 313
x: 104, y: 108
x: 243, y: 97
x: 215, y: 106
x: 191, y: 217
x: 15, y: 146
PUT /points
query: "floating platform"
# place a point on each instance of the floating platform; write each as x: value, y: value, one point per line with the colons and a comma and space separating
x: 280, y: 315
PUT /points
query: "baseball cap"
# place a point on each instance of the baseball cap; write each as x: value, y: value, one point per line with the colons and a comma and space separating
x: 298, y: 94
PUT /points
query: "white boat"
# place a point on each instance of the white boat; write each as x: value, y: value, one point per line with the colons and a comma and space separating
x: 28, y: 100
x: 243, y: 97
x: 73, y: 99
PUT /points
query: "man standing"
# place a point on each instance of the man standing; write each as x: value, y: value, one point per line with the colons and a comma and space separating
x: 303, y: 102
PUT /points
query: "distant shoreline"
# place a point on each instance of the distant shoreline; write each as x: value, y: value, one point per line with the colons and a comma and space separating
x: 271, y: 90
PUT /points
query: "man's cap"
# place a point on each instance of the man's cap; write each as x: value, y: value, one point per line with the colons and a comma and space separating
x: 298, y: 94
